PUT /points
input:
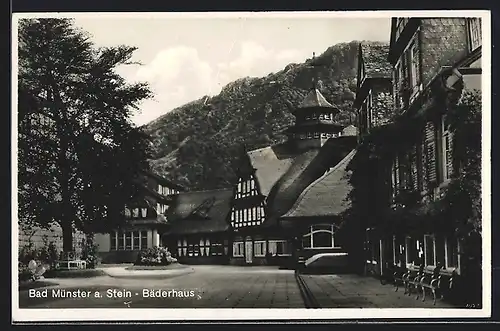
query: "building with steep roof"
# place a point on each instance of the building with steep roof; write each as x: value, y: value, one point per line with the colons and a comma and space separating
x: 374, y: 101
x: 145, y: 221
x: 270, y: 217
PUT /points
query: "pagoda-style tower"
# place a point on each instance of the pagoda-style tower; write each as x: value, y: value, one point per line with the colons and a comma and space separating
x: 314, y: 121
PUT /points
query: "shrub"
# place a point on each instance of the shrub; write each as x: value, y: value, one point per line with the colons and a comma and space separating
x: 89, y: 252
x: 155, y: 256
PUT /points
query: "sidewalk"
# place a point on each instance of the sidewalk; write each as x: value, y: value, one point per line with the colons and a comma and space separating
x: 353, y: 291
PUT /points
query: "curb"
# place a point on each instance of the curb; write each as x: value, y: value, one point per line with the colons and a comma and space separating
x: 306, y: 294
x: 147, y: 274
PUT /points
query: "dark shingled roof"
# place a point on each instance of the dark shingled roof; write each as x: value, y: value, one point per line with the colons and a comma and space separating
x: 375, y: 56
x: 270, y: 164
x: 327, y: 195
x: 315, y: 99
x: 200, y: 211
x: 305, y: 169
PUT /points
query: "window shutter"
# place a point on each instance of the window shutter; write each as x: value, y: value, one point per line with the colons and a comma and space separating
x: 423, y: 163
x: 430, y: 144
x: 449, y: 154
x: 413, y: 167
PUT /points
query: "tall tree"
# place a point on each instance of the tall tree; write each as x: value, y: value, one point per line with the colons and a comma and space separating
x: 79, y: 155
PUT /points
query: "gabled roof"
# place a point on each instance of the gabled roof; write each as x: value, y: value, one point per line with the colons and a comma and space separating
x: 327, y: 195
x: 200, y: 211
x: 315, y: 99
x: 270, y: 164
x: 305, y: 169
x: 375, y: 58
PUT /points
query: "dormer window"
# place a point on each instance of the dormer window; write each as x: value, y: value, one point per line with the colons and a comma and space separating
x: 474, y: 33
x: 144, y: 212
x: 135, y: 212
x: 127, y: 212
x: 321, y: 116
x: 401, y: 23
x: 159, y: 189
x: 314, y: 116
x: 328, y: 116
x: 309, y: 135
x: 316, y: 134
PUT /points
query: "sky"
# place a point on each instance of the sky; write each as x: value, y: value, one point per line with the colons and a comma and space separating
x: 184, y: 58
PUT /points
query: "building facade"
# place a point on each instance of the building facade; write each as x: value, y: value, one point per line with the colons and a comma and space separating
x: 198, y: 227
x: 435, y: 61
x: 274, y: 218
x: 145, y: 222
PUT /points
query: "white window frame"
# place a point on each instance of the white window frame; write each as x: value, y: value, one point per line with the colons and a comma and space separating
x: 281, y: 242
x: 238, y: 249
x: 261, y: 251
x: 474, y: 32
x: 312, y: 231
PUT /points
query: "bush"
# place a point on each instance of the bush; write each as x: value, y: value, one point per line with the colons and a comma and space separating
x: 155, y: 256
x: 89, y: 252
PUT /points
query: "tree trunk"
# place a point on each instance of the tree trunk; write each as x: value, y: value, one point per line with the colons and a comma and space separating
x: 67, y: 231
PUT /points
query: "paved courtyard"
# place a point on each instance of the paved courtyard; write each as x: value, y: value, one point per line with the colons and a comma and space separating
x: 225, y: 287
x: 352, y: 291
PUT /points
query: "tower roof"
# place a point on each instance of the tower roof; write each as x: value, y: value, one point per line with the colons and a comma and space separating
x: 315, y: 99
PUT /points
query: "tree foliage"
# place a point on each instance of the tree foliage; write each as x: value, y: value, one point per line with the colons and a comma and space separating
x: 78, y: 152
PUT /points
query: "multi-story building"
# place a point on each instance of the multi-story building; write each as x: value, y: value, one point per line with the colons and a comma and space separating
x: 145, y: 221
x: 374, y: 101
x: 434, y: 61
x: 282, y: 210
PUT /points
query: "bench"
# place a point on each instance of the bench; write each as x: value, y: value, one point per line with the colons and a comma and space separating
x: 430, y: 281
x: 411, y: 278
x: 397, y: 276
x: 447, y: 283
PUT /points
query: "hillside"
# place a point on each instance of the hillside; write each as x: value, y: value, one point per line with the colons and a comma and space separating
x: 197, y: 145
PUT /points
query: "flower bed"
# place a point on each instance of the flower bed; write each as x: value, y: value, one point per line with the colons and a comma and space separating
x: 155, y: 256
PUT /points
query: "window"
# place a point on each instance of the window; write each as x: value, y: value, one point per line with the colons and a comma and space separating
x: 451, y: 252
x: 135, y: 212
x: 128, y: 240
x: 136, y: 241
x: 282, y: 248
x: 159, y: 188
x: 412, y: 248
x: 319, y: 236
x: 113, y: 241
x: 474, y: 31
x: 121, y: 241
x: 400, y: 25
x: 238, y: 249
x: 144, y: 239
x: 127, y: 212
x: 430, y: 250
x: 144, y: 212
x: 439, y: 244
x: 259, y: 248
x: 414, y: 60
x: 217, y: 249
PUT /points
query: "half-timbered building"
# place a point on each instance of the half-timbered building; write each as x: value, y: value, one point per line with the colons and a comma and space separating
x: 266, y: 227
x: 145, y: 221
x: 199, y: 228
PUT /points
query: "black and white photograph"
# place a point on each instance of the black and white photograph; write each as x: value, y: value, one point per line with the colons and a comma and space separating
x: 251, y: 165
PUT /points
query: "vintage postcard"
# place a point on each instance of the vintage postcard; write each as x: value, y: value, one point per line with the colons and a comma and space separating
x: 251, y: 166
